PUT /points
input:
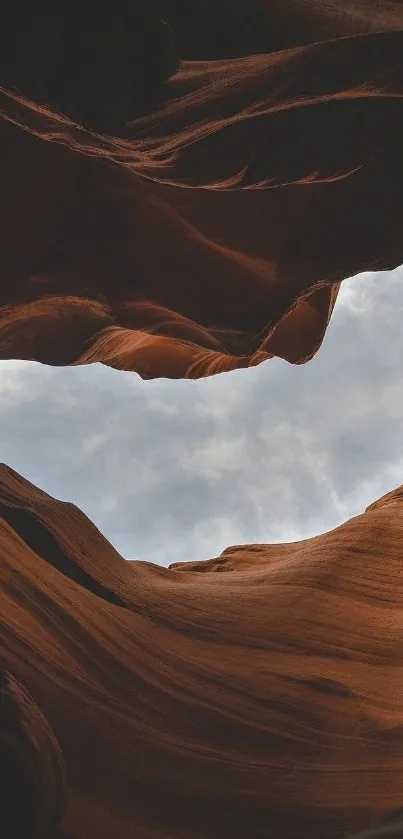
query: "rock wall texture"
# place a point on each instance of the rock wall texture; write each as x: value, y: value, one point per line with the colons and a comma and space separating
x: 212, y: 230
x: 256, y: 694
x: 180, y: 200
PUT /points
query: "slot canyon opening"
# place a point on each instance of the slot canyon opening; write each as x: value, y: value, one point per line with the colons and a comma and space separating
x: 184, y: 734
x: 177, y: 471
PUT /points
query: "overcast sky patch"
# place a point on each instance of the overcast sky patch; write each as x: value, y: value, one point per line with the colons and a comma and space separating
x: 179, y: 470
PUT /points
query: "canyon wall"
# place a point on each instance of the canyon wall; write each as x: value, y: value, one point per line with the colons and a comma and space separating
x: 213, y: 231
x: 259, y: 693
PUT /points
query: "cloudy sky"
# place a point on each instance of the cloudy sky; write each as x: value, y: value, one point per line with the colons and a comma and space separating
x: 174, y: 471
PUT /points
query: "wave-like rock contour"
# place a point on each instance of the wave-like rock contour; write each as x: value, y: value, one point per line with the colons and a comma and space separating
x: 258, y: 694
x: 213, y: 230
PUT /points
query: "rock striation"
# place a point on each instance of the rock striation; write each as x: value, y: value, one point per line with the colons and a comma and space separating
x: 256, y: 694
x: 180, y: 200
x: 206, y: 224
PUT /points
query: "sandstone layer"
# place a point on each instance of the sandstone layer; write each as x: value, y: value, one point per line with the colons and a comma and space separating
x: 212, y: 231
x: 182, y: 205
x: 258, y: 694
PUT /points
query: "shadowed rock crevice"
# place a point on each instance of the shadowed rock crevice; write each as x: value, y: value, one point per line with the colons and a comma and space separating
x: 101, y: 65
x: 43, y: 543
x: 389, y: 828
x: 32, y: 790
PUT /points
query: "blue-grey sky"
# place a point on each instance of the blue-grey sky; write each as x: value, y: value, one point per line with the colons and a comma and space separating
x: 174, y: 471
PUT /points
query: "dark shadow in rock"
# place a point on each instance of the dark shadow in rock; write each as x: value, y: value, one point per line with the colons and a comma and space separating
x: 32, y: 770
x: 43, y: 543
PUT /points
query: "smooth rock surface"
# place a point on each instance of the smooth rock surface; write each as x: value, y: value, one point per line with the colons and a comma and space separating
x: 256, y: 694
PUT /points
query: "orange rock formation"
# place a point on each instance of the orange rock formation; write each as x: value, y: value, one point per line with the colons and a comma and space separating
x: 257, y: 694
x: 182, y: 219
x: 213, y: 232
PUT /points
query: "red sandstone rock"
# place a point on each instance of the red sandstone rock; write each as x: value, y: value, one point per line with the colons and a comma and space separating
x: 262, y: 701
x: 214, y: 232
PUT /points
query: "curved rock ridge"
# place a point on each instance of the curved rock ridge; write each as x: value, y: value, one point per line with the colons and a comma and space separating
x: 267, y: 701
x: 213, y: 232
x: 393, y: 497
